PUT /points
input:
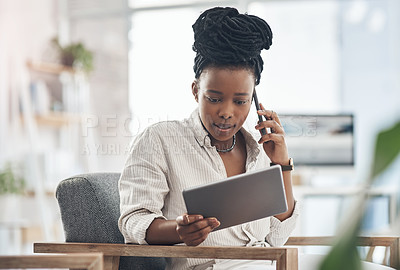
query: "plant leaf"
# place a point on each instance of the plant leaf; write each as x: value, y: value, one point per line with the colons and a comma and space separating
x: 344, y: 254
x: 387, y: 148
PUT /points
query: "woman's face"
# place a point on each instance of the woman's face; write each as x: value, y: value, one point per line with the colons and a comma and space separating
x: 224, y: 96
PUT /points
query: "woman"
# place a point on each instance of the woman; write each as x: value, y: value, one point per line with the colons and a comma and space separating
x: 209, y: 146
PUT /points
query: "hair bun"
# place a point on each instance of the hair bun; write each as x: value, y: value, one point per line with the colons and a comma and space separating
x: 225, y: 36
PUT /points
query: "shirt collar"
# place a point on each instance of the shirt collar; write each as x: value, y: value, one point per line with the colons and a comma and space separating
x: 252, y: 146
x: 200, y: 132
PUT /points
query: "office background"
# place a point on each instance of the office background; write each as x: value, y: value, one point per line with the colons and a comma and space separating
x: 329, y: 57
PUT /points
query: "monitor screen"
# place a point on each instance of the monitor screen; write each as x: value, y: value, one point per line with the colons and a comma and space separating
x: 320, y: 139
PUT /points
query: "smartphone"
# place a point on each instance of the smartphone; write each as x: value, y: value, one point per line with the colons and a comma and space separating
x: 260, y: 119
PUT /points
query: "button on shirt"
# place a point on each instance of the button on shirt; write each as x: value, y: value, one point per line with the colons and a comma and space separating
x: 171, y: 156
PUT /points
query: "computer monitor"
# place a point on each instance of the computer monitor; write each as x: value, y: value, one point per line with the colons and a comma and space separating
x: 318, y: 140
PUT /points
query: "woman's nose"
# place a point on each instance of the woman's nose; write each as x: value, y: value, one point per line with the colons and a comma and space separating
x: 226, y: 111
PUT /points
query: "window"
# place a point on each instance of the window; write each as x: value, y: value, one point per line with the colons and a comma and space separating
x: 161, y: 61
x: 300, y: 71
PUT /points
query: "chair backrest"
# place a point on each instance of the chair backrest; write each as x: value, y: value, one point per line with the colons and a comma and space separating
x: 89, y: 206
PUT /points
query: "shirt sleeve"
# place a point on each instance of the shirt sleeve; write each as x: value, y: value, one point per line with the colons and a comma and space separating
x: 142, y: 187
x: 281, y: 230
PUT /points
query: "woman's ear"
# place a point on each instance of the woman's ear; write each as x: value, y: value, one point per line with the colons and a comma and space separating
x: 195, y: 90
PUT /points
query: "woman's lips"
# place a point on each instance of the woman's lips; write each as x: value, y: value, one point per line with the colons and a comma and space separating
x: 224, y: 127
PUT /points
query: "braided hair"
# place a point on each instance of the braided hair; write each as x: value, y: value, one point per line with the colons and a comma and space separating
x: 225, y: 38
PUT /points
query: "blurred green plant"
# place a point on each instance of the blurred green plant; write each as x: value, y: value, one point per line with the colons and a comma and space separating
x: 344, y: 254
x: 10, y: 182
x: 75, y: 55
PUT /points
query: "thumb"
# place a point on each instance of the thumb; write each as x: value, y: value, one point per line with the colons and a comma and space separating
x: 186, y: 219
x: 183, y: 219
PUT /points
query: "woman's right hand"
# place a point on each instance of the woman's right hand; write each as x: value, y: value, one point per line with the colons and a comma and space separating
x: 194, y: 229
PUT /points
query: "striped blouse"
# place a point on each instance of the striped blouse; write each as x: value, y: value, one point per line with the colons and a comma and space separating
x: 171, y: 156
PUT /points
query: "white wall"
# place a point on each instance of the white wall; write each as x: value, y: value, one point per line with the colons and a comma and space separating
x: 25, y: 28
x: 370, y: 68
x: 103, y: 28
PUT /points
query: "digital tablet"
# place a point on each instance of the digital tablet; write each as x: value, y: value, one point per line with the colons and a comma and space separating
x: 240, y: 198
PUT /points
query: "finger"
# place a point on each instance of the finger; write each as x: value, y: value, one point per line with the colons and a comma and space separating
x: 270, y: 115
x: 276, y: 138
x: 197, y: 237
x: 273, y: 125
x: 203, y: 232
x: 189, y: 232
x: 199, y: 225
x: 188, y: 219
x: 213, y: 222
x: 184, y: 230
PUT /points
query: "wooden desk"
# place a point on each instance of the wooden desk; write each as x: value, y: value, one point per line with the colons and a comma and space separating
x: 90, y: 261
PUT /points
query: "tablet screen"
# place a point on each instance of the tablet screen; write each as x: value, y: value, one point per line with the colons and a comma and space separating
x: 240, y: 198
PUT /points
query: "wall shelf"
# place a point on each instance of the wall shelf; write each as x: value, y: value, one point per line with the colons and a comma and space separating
x: 56, y: 119
x: 52, y: 68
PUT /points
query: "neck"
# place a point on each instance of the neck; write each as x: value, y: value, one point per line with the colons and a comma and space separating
x: 224, y: 146
x: 221, y: 145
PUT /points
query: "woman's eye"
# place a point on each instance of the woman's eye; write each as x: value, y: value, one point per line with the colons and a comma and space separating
x: 241, y: 102
x: 214, y: 100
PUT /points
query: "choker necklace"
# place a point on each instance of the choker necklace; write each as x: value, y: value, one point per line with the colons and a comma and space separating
x: 230, y: 148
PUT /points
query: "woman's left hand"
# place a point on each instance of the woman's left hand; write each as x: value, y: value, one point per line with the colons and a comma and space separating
x: 274, y: 143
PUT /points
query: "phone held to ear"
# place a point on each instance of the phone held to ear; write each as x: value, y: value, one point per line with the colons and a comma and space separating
x: 260, y: 119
